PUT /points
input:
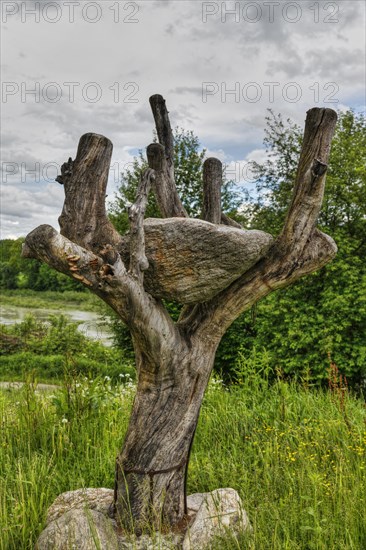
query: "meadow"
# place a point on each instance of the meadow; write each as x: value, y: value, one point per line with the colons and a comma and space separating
x: 295, y: 454
x: 49, y: 299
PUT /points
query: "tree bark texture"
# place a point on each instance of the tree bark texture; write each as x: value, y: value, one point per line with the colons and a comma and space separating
x: 216, y: 271
x: 152, y: 467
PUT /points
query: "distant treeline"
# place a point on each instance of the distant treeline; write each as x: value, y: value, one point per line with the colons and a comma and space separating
x: 16, y: 272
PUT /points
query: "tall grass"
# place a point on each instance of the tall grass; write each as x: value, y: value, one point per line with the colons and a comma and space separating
x: 296, y: 457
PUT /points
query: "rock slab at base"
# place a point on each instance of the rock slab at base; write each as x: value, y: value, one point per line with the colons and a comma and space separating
x: 78, y: 520
x: 217, y: 512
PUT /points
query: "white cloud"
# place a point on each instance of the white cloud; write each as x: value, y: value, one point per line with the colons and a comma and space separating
x: 169, y: 50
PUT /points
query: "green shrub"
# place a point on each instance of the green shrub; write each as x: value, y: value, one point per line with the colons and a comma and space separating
x: 51, y: 349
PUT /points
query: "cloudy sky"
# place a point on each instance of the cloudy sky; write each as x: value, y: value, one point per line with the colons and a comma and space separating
x: 71, y: 67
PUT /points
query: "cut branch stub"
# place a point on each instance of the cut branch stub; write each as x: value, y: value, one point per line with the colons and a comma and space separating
x: 84, y: 219
x: 164, y: 187
x: 212, y: 181
x: 163, y: 128
x: 310, y: 178
x: 165, y: 190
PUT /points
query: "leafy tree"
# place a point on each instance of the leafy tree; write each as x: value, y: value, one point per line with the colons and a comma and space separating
x: 10, y: 262
x: 283, y: 140
x: 323, y: 318
x: 15, y: 272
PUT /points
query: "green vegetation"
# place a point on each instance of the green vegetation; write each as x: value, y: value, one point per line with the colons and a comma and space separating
x: 50, y: 349
x: 322, y: 318
x: 18, y: 273
x: 297, y: 457
x: 50, y: 299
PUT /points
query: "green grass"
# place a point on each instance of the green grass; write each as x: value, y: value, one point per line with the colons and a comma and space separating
x: 68, y: 299
x: 296, y: 457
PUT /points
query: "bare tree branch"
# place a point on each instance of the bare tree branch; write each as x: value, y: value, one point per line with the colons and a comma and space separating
x: 138, y: 260
x: 212, y: 182
x: 164, y: 187
x: 164, y: 130
x: 161, y: 159
x: 310, y: 178
x: 46, y: 244
x: 120, y: 289
x: 84, y: 219
x: 300, y: 249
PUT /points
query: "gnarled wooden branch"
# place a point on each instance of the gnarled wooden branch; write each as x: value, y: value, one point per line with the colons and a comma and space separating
x: 300, y: 249
x: 46, y: 244
x: 212, y: 181
x: 164, y: 188
x: 310, y: 179
x: 84, y: 219
x: 161, y: 159
x: 120, y: 289
x: 138, y: 260
x: 163, y: 128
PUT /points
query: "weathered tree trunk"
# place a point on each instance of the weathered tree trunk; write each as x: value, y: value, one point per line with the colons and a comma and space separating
x: 152, y: 466
x: 174, y: 359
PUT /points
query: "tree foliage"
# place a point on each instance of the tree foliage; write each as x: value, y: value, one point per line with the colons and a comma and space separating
x: 321, y: 319
x: 16, y: 272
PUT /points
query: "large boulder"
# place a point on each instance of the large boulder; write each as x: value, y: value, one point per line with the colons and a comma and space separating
x: 78, y: 520
x: 215, y: 514
x: 191, y: 260
x: 99, y: 499
x: 79, y: 529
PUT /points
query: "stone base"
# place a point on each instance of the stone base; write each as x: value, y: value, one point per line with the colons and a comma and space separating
x: 78, y: 520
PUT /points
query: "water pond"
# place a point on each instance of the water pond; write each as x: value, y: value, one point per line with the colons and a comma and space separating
x: 89, y: 323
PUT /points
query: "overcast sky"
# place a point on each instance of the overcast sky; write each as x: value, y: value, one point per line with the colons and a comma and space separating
x: 74, y: 67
